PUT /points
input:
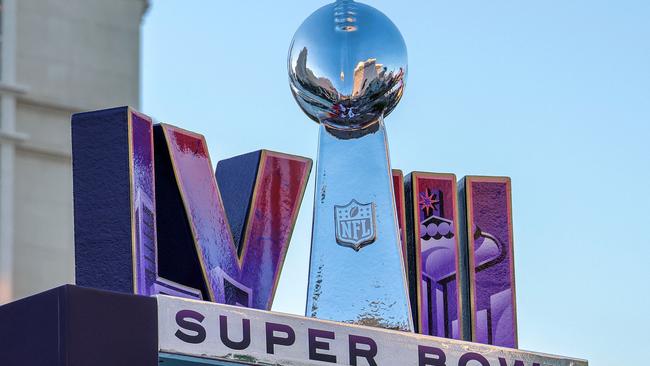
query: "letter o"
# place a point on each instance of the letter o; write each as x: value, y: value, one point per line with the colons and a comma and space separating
x: 472, y: 356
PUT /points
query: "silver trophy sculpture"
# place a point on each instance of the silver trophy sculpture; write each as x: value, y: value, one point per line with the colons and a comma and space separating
x: 347, y: 69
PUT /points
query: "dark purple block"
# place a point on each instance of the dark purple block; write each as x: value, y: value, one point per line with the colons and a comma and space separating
x: 102, y: 199
x: 76, y: 326
x: 236, y: 178
x: 488, y: 240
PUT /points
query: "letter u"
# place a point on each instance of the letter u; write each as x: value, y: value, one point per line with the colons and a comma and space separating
x: 246, y: 331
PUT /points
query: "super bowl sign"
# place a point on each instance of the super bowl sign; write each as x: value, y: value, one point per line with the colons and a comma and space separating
x: 192, y: 331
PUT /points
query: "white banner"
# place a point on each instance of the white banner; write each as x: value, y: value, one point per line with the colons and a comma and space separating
x: 254, y: 337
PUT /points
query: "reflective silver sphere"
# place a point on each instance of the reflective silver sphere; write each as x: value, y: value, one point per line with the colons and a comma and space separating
x: 347, y: 65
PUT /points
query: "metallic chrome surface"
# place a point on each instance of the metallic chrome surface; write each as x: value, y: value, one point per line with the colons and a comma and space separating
x: 347, y: 65
x: 367, y: 286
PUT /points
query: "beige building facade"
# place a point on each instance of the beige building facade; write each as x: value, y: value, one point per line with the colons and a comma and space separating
x: 57, y: 57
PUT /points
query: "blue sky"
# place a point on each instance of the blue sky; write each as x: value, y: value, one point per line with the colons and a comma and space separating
x: 554, y: 94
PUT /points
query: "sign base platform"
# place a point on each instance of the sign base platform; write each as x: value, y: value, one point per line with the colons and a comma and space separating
x: 72, y: 325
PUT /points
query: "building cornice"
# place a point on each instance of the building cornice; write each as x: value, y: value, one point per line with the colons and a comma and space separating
x: 12, y: 88
x: 12, y: 137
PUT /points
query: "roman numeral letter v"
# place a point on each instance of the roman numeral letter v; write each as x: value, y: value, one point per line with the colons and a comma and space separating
x: 241, y: 238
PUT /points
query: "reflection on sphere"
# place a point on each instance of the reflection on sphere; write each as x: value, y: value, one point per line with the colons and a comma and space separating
x: 347, y: 65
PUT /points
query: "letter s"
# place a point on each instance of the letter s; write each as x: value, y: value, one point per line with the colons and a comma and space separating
x: 181, y: 321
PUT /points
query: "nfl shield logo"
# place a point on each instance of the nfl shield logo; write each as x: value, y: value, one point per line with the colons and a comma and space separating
x: 355, y: 224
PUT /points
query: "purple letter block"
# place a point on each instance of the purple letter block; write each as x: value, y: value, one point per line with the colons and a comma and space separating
x: 488, y: 237
x: 434, y: 245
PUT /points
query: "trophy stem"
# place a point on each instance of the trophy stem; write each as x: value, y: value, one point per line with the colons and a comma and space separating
x: 356, y: 268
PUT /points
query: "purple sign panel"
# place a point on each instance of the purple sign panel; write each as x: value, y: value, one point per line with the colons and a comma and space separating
x: 143, y: 206
x: 488, y: 210
x: 400, y: 208
x: 143, y: 216
x: 436, y: 249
